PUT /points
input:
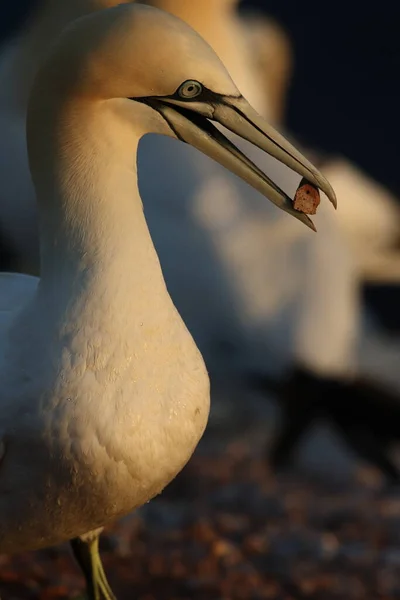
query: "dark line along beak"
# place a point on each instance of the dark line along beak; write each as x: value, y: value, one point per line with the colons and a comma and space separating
x: 190, y: 123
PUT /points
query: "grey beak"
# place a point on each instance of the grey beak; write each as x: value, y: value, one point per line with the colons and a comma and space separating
x: 192, y: 124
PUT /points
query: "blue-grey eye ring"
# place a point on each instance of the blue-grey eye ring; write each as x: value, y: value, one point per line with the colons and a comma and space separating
x: 190, y: 89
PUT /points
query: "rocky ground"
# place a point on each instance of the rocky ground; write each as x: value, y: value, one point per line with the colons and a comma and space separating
x: 228, y: 529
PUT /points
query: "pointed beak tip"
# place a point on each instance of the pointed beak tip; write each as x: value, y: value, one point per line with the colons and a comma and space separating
x: 330, y: 195
x: 304, y: 218
x: 312, y: 226
x: 329, y: 192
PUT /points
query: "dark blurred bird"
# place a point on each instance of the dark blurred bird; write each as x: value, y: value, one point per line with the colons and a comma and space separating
x: 366, y: 417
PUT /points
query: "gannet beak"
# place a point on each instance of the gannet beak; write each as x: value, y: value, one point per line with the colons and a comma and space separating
x: 191, y: 123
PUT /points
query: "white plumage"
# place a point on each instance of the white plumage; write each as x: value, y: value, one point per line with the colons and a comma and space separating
x: 104, y: 394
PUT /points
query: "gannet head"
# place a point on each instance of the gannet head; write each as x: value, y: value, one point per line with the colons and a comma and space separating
x: 152, y: 59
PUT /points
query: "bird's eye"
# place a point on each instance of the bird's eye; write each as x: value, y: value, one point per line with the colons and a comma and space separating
x: 190, y: 89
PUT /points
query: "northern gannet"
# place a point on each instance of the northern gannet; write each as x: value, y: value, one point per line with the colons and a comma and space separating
x: 104, y: 392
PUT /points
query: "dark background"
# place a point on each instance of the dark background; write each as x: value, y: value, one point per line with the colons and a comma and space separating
x: 345, y: 92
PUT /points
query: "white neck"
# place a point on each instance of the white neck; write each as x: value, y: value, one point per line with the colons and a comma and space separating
x: 92, y: 227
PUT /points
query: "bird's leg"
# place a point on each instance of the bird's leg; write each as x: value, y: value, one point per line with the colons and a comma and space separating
x: 369, y: 446
x: 86, y: 553
x: 292, y: 429
x: 298, y: 400
x: 103, y: 583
